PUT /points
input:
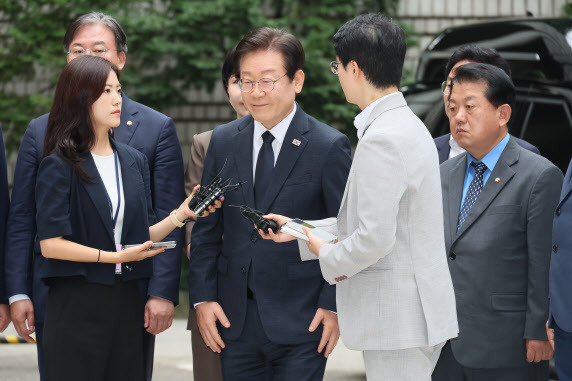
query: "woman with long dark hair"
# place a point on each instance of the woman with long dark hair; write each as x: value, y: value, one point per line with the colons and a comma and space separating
x: 93, y: 198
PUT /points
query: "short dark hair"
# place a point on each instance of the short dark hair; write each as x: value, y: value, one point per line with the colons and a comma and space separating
x: 227, y: 69
x: 69, y: 132
x: 266, y: 38
x: 376, y: 44
x: 477, y: 54
x: 500, y: 88
x: 96, y: 18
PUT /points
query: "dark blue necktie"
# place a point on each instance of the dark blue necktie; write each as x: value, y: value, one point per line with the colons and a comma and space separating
x: 264, y: 168
x: 473, y: 192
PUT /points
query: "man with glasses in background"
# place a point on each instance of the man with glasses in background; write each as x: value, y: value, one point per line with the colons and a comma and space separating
x: 272, y: 307
x: 141, y: 127
x: 447, y: 146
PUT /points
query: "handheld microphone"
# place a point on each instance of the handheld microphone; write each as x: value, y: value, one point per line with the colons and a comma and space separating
x: 255, y: 216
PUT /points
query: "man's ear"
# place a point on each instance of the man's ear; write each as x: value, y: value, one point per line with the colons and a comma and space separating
x: 504, y: 113
x: 122, y: 58
x: 354, y: 69
x: 299, y: 81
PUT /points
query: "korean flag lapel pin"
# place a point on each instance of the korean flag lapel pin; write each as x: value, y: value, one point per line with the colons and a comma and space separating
x: 296, y: 142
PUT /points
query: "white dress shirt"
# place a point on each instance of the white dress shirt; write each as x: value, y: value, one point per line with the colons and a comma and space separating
x: 455, y: 148
x: 278, y: 131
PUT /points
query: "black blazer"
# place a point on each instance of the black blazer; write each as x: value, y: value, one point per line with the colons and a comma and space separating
x: 80, y: 212
x: 443, y: 147
x: 142, y: 128
x: 308, y: 182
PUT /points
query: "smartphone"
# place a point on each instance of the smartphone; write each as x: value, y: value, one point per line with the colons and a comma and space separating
x: 157, y: 245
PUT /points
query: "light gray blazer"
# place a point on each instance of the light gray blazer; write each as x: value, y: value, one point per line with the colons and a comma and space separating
x: 394, y: 290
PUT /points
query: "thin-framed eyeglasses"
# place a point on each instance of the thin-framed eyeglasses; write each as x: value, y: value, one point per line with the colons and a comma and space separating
x: 78, y: 51
x: 265, y: 84
x: 334, y: 67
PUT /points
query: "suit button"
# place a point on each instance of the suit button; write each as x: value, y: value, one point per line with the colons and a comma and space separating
x: 243, y: 270
x: 555, y: 248
x: 253, y: 239
x: 558, y: 212
x: 452, y: 256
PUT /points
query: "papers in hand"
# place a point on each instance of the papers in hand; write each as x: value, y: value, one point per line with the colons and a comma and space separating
x: 295, y: 226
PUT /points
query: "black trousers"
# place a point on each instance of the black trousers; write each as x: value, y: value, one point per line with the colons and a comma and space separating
x: 247, y: 358
x: 93, y: 332
x: 448, y: 369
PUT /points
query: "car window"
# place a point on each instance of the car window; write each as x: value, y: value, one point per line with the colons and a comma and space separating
x: 548, y: 126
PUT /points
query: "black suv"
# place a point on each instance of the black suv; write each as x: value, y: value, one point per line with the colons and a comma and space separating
x: 539, y: 52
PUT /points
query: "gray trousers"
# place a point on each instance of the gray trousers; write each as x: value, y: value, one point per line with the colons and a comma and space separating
x: 412, y: 364
x: 448, y: 369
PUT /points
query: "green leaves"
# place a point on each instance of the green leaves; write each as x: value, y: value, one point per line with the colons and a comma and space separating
x: 173, y: 45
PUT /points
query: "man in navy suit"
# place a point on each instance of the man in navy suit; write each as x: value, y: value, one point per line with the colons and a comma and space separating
x: 560, y: 317
x: 4, y: 208
x: 143, y: 128
x: 447, y: 146
x: 272, y: 307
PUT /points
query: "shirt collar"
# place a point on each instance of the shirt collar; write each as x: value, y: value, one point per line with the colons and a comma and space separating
x: 455, y: 148
x: 278, y: 131
x: 491, y: 158
x: 453, y: 143
x: 361, y: 119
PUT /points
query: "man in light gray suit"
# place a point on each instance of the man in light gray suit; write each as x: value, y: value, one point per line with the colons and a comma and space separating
x: 499, y: 200
x: 394, y: 293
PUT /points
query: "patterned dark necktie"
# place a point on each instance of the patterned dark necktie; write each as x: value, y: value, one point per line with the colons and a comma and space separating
x: 473, y: 193
x: 264, y: 168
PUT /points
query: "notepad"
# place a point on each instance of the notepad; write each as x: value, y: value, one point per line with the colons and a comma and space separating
x: 295, y: 226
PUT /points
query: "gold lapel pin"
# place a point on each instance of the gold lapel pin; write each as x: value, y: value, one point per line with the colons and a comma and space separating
x: 497, y: 180
x: 129, y: 123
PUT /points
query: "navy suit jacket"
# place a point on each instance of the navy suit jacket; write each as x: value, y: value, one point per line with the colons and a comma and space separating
x: 142, y: 128
x: 561, y: 264
x: 309, y: 181
x: 443, y: 147
x: 79, y: 212
x: 4, y: 209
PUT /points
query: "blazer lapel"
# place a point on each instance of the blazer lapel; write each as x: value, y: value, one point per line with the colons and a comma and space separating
x: 242, y: 149
x: 289, y: 154
x: 454, y: 195
x: 98, y: 194
x: 132, y: 188
x: 491, y: 189
x: 129, y: 121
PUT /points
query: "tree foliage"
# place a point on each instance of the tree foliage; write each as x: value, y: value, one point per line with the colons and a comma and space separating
x: 567, y: 9
x: 174, y: 45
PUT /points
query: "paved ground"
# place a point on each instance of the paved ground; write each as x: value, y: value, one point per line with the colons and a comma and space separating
x: 172, y: 359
